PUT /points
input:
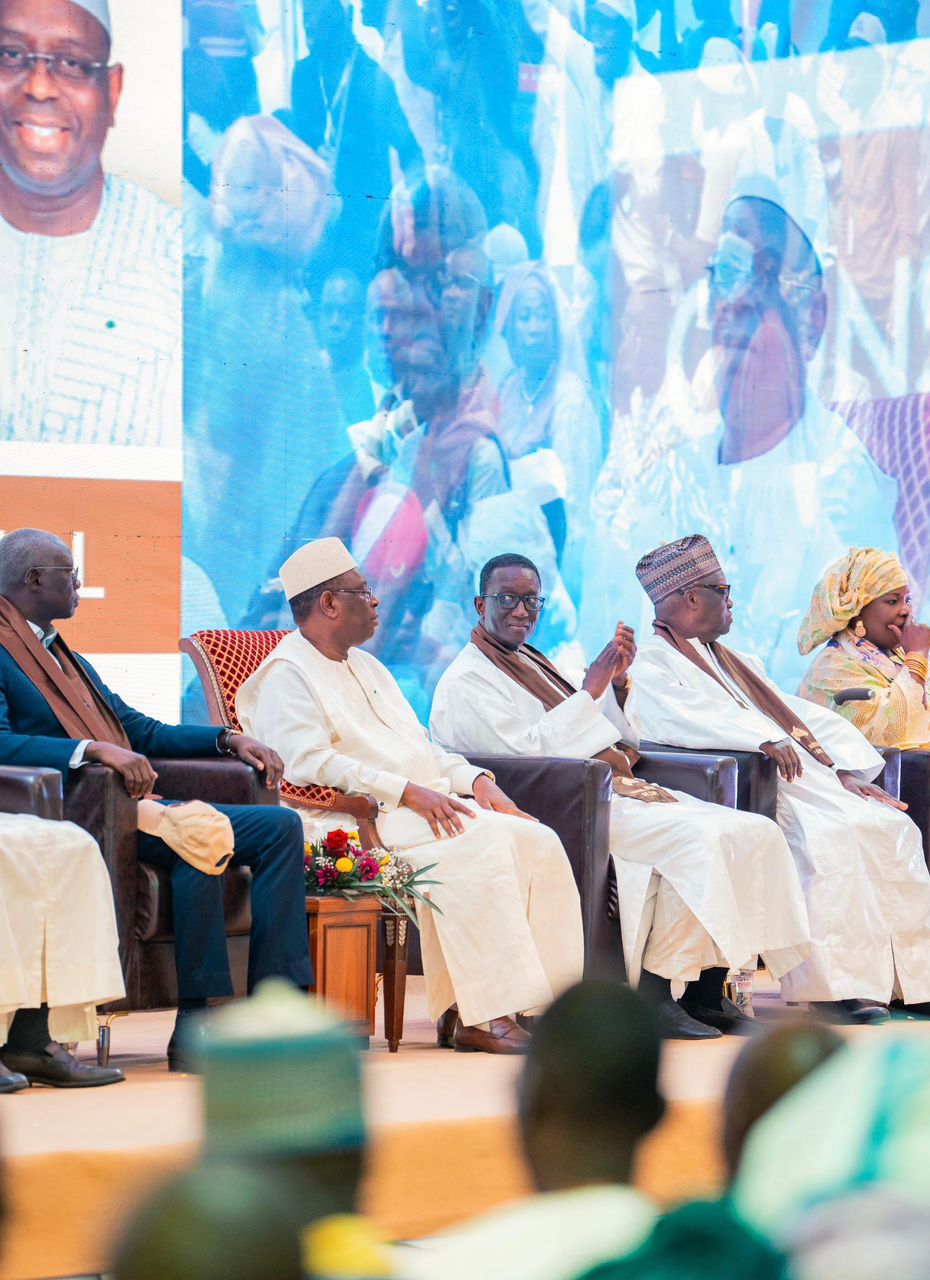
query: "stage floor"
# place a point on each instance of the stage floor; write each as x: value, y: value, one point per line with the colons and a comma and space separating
x: 443, y: 1144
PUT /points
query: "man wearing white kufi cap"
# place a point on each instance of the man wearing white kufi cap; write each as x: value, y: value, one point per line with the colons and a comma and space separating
x: 507, y: 936
x: 92, y: 262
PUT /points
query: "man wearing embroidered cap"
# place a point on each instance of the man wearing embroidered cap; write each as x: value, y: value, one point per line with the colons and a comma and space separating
x: 507, y: 936
x: 91, y: 261
x: 860, y: 859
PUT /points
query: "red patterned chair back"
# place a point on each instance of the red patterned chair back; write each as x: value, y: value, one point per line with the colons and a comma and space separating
x: 224, y: 661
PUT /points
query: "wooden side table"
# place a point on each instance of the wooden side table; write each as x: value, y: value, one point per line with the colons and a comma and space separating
x: 343, y: 937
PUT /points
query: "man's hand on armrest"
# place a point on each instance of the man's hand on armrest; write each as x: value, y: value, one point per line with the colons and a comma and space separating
x: 489, y: 795
x: 439, y: 810
x: 137, y: 774
x: 785, y: 756
x: 258, y: 756
x: 867, y: 790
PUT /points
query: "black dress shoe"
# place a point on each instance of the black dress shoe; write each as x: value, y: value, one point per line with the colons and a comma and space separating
x: 55, y: 1066
x: 729, y: 1018
x: 11, y: 1081
x: 675, y: 1023
x: 919, y: 1010
x: 445, y: 1028
x: 189, y: 1035
x: 851, y: 1013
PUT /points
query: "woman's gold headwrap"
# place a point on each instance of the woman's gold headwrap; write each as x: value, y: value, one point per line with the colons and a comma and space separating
x: 845, y: 589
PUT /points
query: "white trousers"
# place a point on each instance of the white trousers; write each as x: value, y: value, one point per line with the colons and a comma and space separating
x: 702, y: 885
x: 867, y: 890
x: 58, y: 940
x: 509, y: 937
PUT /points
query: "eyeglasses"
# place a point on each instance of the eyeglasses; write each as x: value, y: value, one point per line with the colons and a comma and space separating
x: 723, y: 589
x: 74, y: 573
x: 508, y: 601
x: 365, y: 592
x: 16, y: 63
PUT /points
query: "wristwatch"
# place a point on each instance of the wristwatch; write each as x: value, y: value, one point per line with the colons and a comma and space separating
x: 485, y: 773
x: 222, y: 741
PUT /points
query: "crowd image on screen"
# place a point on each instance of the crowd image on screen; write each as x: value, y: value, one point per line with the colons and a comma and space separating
x: 580, y: 275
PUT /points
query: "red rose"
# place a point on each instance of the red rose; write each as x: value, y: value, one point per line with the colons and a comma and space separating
x: 336, y: 842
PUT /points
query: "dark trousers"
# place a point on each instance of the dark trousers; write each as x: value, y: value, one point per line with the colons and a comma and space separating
x: 270, y: 840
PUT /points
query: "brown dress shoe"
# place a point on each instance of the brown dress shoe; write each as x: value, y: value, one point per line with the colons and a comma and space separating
x: 504, y: 1036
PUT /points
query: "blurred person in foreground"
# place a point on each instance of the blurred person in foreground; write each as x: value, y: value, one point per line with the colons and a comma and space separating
x: 339, y: 719
x: 862, y: 621
x: 773, y: 1063
x: 282, y: 1097
x: 90, y: 310
x: 210, y: 1222
x: 703, y: 1240
x: 588, y: 1096
x: 838, y: 1171
x: 702, y: 888
x: 859, y: 856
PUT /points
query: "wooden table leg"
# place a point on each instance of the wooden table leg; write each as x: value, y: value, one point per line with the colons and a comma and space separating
x: 395, y: 926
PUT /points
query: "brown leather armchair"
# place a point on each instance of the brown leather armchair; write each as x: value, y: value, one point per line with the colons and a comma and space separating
x: 915, y: 792
x: 35, y: 791
x: 95, y: 798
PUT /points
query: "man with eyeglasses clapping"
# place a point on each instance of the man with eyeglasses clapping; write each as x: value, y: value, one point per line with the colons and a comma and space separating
x: 701, y: 887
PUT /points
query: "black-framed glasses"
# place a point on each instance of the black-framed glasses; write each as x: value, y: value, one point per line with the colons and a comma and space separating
x: 74, y: 573
x: 16, y: 62
x: 722, y: 589
x: 365, y: 592
x: 508, y: 601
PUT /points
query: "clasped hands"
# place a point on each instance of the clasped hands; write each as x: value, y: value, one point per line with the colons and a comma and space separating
x: 611, y: 664
x: 786, y: 757
x: 139, y: 777
x: 442, y: 811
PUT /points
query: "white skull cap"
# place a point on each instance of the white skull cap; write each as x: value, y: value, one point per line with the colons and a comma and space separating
x: 315, y: 563
x: 99, y: 9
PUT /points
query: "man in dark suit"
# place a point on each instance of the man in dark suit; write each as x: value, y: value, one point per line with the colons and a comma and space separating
x: 51, y: 703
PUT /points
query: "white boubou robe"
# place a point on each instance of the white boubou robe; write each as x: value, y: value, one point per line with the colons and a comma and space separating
x: 58, y: 940
x: 861, y: 863
x: 699, y: 885
x: 509, y: 938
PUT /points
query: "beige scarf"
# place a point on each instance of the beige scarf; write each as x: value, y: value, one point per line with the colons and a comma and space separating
x: 73, y: 698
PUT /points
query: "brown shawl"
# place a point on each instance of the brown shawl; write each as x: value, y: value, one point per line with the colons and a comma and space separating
x: 621, y: 759
x: 758, y: 694
x: 73, y: 699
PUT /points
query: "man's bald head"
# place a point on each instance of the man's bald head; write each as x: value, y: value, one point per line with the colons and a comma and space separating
x: 23, y: 549
x: 767, y: 1068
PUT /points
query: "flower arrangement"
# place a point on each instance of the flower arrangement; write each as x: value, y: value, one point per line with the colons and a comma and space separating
x: 339, y: 865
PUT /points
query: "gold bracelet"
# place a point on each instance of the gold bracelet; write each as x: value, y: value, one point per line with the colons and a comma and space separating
x: 916, y: 664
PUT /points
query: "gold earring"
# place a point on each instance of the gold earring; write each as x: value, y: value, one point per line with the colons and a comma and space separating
x: 859, y: 629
